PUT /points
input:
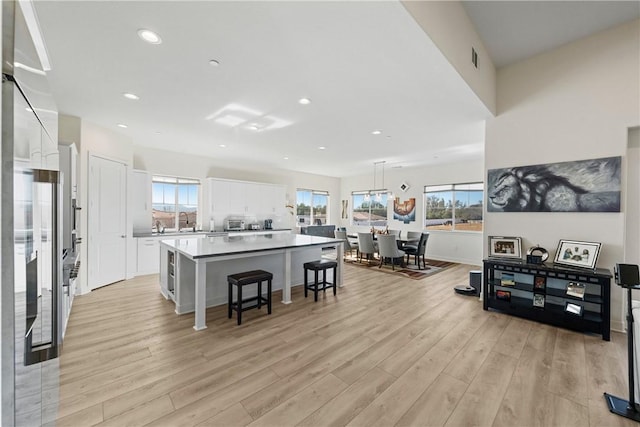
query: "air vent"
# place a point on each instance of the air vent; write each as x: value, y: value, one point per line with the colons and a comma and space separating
x: 474, y: 57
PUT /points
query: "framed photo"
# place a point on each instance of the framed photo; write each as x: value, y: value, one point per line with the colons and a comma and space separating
x: 575, y: 309
x: 505, y: 247
x: 575, y: 290
x: 538, y: 300
x: 507, y: 279
x: 577, y: 254
x: 539, y: 283
x: 503, y: 295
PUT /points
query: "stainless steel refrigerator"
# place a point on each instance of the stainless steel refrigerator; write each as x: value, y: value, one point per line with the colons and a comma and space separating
x: 31, y: 229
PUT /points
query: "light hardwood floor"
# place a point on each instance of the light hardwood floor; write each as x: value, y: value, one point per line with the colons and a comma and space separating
x: 385, y: 351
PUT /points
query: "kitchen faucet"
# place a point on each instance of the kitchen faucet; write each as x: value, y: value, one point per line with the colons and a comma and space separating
x: 187, y: 222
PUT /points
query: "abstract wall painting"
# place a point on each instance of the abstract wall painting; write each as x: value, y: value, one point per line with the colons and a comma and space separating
x: 578, y: 186
x: 404, y: 211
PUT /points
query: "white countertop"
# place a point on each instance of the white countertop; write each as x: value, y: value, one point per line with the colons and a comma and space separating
x: 200, y: 233
x: 202, y: 247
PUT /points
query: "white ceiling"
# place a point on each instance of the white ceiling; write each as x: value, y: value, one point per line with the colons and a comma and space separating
x: 365, y: 65
x: 515, y: 30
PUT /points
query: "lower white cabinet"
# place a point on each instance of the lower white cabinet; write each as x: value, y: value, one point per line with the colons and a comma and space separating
x: 148, y: 259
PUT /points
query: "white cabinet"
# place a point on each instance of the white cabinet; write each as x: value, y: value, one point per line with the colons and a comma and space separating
x: 242, y: 198
x: 148, y: 255
x: 141, y: 201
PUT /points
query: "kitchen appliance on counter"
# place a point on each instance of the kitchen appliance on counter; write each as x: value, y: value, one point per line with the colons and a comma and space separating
x: 254, y: 226
x: 234, y: 225
x: 268, y: 224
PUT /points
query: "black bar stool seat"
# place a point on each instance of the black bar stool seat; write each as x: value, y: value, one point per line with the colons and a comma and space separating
x: 249, y: 278
x: 316, y: 266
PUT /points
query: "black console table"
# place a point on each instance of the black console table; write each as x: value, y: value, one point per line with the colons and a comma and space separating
x: 549, y: 294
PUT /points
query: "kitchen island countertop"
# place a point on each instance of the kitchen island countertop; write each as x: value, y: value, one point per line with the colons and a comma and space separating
x: 199, y: 247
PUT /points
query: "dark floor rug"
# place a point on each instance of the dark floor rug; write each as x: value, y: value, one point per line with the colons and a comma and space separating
x: 411, y: 270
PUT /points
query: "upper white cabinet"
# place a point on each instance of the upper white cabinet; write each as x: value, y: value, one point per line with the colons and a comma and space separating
x: 141, y: 201
x: 242, y: 198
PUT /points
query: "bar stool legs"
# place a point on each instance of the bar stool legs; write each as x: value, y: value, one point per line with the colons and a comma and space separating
x: 248, y: 278
x: 317, y: 266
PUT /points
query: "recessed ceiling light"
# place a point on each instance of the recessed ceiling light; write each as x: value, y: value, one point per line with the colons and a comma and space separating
x: 149, y: 36
x: 131, y: 96
x: 304, y: 101
x: 286, y: 158
x: 321, y: 148
x: 121, y: 125
x: 376, y: 132
x: 253, y: 127
x: 214, y: 62
x: 222, y: 146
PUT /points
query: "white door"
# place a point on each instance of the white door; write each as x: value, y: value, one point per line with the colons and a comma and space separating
x: 107, y: 222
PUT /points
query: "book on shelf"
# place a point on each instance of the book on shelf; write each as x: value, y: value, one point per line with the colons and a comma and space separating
x: 507, y: 279
x: 575, y: 290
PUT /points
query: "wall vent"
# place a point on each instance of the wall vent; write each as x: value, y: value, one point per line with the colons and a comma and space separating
x: 474, y: 57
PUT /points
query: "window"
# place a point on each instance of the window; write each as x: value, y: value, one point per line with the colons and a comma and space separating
x: 369, y: 209
x: 453, y: 207
x: 174, y: 203
x: 312, y: 207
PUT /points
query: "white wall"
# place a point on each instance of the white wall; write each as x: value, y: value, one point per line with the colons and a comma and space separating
x: 449, y: 27
x: 575, y: 102
x: 189, y: 166
x: 632, y: 202
x: 464, y: 247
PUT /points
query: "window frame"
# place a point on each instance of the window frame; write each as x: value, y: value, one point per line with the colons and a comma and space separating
x: 178, y: 182
x: 312, y: 216
x: 453, y: 189
x: 369, y: 195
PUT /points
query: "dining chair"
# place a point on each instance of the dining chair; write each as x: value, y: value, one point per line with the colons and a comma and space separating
x: 348, y: 245
x: 396, y: 233
x: 418, y: 250
x: 366, y: 245
x: 413, y: 237
x: 388, y: 249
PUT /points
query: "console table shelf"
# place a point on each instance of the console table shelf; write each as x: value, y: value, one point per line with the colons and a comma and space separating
x: 509, y: 287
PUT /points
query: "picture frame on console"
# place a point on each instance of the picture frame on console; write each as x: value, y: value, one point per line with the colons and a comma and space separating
x: 579, y: 254
x: 539, y: 283
x: 505, y: 247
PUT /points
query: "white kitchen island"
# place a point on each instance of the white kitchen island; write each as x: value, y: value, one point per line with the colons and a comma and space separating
x: 194, y: 270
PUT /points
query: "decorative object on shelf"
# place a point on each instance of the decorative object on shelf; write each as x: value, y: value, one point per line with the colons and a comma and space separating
x: 404, y: 211
x: 507, y: 279
x: 575, y: 290
x: 577, y: 254
x: 538, y: 300
x: 503, y: 295
x: 539, y: 283
x: 578, y: 186
x: 537, y: 255
x: 575, y: 309
x: 507, y: 247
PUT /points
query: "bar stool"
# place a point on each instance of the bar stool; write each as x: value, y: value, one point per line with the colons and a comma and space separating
x: 316, y: 266
x: 249, y: 278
